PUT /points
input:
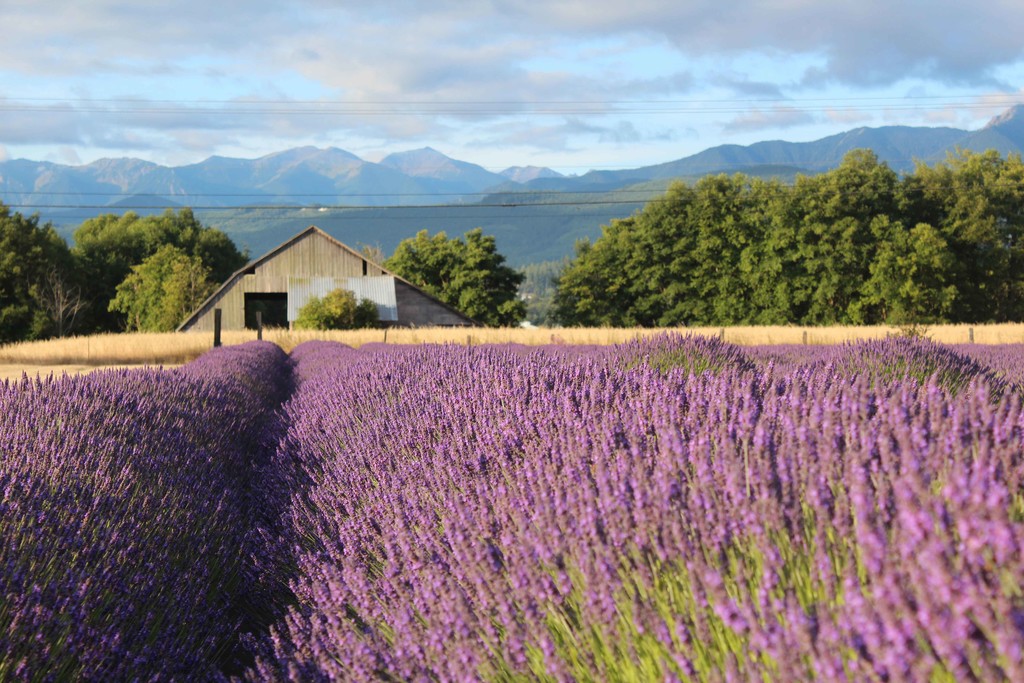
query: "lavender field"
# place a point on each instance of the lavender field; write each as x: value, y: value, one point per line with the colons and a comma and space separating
x: 670, y: 509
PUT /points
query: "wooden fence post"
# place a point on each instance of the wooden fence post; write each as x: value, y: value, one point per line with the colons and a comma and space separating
x: 970, y: 334
x: 216, y: 327
x: 805, y: 337
x: 259, y: 325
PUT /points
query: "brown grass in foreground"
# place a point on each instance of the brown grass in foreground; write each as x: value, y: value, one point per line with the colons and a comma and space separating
x: 174, y: 348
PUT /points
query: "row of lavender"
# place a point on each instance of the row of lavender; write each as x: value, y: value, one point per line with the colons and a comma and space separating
x: 133, y: 521
x: 675, y: 509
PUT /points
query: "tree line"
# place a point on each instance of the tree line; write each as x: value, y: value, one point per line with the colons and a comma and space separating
x: 148, y: 273
x: 859, y: 244
x: 125, y: 272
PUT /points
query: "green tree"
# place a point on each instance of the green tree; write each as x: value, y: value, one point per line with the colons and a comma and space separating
x: 834, y: 242
x: 662, y: 248
x: 105, y: 249
x: 911, y: 277
x: 976, y: 202
x: 770, y: 263
x: 735, y: 250
x: 108, y: 247
x: 835, y: 248
x: 594, y: 290
x: 679, y: 261
x: 337, y: 310
x: 162, y: 290
x: 721, y: 219
x: 469, y: 275
x: 638, y: 272
x: 29, y: 254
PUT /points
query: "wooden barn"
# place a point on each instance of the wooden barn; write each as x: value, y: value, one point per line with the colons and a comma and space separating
x: 312, y: 264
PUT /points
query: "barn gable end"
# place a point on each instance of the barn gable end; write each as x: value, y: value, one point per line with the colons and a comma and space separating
x: 311, y: 264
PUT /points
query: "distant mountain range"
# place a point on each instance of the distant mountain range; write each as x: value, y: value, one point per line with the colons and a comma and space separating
x: 301, y: 176
x: 421, y: 188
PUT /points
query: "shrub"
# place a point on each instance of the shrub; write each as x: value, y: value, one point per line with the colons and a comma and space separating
x: 693, y: 354
x: 900, y: 358
x: 337, y: 310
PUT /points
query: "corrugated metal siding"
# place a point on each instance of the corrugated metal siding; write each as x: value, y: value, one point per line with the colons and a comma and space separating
x: 302, y: 289
x: 380, y: 290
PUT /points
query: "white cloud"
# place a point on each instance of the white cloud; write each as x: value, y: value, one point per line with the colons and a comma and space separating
x: 410, y: 43
x: 847, y: 116
x: 412, y: 74
x: 776, y: 117
x: 68, y: 155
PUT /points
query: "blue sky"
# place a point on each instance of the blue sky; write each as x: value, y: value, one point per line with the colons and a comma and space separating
x: 570, y: 84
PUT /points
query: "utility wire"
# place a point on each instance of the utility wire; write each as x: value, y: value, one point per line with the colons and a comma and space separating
x: 408, y: 107
x: 512, y: 199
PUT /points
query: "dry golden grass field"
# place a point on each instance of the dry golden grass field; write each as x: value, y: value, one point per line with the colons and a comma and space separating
x: 83, y: 354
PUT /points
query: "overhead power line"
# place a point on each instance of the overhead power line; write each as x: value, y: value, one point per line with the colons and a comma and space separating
x: 441, y: 107
x: 520, y: 193
x: 332, y: 207
x: 278, y: 200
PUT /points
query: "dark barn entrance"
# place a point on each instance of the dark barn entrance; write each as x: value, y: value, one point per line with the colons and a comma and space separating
x: 273, y: 306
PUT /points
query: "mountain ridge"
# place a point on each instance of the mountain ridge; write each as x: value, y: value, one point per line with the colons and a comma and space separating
x: 393, y: 195
x: 334, y: 176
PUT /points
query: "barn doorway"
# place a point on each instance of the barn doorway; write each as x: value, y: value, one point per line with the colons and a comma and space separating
x: 273, y: 306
